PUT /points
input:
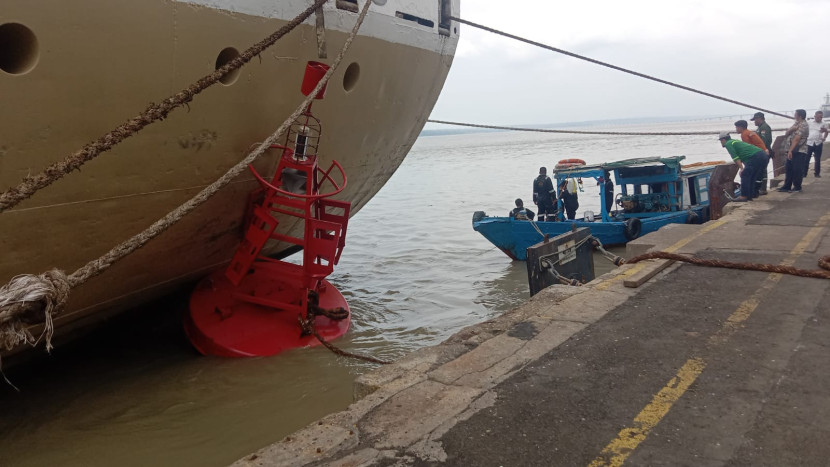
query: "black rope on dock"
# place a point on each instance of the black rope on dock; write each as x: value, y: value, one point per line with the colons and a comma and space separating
x: 597, y: 62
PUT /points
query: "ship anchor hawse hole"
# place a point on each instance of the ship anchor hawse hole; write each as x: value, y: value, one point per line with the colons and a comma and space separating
x: 19, y: 49
x: 226, y: 56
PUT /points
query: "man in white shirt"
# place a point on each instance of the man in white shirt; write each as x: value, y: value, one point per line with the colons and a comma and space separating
x: 815, y: 141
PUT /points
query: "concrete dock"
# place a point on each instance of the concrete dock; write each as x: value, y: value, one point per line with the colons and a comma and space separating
x: 697, y: 366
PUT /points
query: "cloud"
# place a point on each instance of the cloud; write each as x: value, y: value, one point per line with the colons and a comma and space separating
x: 763, y: 52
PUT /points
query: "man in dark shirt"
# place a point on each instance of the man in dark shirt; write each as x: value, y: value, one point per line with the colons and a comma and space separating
x: 542, y: 197
x: 765, y: 132
x: 520, y: 212
x: 609, y: 190
x: 570, y: 201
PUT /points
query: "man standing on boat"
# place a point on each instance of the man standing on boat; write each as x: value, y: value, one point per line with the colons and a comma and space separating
x: 520, y: 212
x: 609, y: 190
x: 542, y: 195
x: 764, y: 131
x: 570, y: 201
x: 815, y: 141
x: 750, y: 159
x: 797, y: 153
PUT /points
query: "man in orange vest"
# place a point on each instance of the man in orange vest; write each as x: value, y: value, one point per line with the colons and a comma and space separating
x: 748, y: 136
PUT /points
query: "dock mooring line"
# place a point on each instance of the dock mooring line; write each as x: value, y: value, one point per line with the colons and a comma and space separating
x: 581, y: 132
x: 823, y: 262
x: 615, y: 67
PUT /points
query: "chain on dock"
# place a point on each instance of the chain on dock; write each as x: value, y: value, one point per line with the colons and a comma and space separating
x: 823, y: 262
x: 154, y: 112
x: 617, y: 260
x: 42, y: 295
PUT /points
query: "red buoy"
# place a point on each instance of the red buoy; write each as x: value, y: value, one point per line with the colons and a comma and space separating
x: 222, y: 326
x: 260, y: 306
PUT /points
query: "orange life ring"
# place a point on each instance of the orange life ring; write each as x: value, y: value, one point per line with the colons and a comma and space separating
x: 571, y: 161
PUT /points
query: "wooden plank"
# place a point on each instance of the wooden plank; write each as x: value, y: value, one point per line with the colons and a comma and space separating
x: 641, y: 277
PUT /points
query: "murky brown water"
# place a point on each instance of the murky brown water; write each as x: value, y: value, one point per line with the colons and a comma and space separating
x: 414, y: 272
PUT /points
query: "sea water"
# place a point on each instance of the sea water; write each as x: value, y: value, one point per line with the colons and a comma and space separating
x: 413, y: 271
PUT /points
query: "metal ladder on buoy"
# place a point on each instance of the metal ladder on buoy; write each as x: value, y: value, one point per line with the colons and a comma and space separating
x: 324, y: 232
x: 259, y: 305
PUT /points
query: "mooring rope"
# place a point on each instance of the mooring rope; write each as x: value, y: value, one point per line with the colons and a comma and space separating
x: 308, y: 328
x: 584, y: 132
x: 823, y: 262
x: 154, y: 112
x: 46, y: 295
x: 334, y: 314
x: 614, y: 67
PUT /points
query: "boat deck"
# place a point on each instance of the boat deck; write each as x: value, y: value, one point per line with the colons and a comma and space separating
x: 697, y: 366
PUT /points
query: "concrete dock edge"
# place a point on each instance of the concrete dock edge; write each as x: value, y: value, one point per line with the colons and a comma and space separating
x: 402, y: 409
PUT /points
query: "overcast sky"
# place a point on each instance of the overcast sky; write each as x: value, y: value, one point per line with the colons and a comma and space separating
x: 770, y: 53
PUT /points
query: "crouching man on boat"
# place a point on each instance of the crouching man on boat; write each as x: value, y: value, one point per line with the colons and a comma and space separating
x: 543, y: 195
x: 520, y: 212
x: 750, y: 159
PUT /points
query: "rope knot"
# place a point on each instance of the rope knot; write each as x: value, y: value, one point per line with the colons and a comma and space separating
x: 31, y: 299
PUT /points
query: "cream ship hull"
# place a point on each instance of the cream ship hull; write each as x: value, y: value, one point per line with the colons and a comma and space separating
x: 97, y: 64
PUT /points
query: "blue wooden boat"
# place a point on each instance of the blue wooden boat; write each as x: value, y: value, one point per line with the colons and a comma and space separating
x: 651, y: 193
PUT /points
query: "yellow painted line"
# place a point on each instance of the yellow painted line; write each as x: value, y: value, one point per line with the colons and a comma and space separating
x: 706, y: 228
x: 745, y: 309
x: 629, y: 438
x: 678, y: 245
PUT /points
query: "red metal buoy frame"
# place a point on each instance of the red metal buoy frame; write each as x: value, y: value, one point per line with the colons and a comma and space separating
x: 260, y: 306
x: 256, y: 305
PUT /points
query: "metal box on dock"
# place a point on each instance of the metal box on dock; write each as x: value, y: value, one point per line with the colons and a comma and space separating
x: 570, y: 255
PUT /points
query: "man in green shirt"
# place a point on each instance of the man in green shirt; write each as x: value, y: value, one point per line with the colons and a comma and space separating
x: 751, y: 159
x: 765, y: 132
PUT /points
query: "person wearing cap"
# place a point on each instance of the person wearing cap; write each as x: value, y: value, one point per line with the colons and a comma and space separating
x: 543, y: 195
x: 520, y: 212
x: 763, y: 130
x: 749, y: 136
x: 815, y: 141
x: 796, y: 144
x: 750, y: 159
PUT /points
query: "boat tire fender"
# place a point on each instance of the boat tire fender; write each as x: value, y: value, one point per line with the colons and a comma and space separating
x: 479, y: 215
x: 633, y: 227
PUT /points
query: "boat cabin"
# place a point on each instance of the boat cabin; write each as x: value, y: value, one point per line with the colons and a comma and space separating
x: 642, y: 187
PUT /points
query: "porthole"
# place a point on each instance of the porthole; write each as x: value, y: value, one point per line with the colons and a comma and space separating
x: 19, y: 49
x: 351, y: 77
x: 225, y: 56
